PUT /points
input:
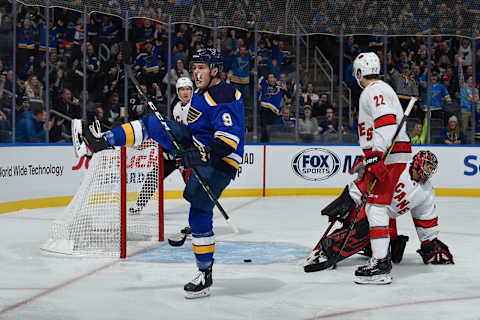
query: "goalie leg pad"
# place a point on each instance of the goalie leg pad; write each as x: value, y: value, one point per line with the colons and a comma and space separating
x: 321, y: 258
x: 340, y: 207
x: 435, y: 252
x: 358, y: 240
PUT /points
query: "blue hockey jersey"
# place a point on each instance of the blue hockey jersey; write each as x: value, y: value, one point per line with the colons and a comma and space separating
x: 216, y: 118
x: 271, y: 96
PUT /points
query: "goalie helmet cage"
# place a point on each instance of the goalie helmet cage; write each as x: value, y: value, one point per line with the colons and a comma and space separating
x: 96, y: 222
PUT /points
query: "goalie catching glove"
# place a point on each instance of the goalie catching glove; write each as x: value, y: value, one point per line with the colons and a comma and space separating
x: 341, y: 207
x: 435, y: 252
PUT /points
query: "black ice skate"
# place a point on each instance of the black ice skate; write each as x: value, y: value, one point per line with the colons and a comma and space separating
x: 317, y: 261
x: 376, y: 271
x: 200, y: 285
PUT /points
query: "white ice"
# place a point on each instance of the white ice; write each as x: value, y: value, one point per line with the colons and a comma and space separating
x: 35, y: 286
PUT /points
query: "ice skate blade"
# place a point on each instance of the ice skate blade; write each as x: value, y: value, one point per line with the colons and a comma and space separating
x: 377, y: 279
x: 199, y: 294
x: 319, y: 266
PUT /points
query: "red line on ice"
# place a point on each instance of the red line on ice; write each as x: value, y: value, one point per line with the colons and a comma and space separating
x: 343, y: 313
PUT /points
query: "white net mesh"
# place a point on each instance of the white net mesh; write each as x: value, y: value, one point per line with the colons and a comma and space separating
x: 91, y: 222
x: 398, y: 17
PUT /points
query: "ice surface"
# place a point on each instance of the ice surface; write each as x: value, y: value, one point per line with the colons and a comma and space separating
x: 36, y: 286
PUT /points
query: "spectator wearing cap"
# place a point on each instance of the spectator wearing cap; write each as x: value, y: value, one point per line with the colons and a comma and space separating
x: 404, y: 84
x: 307, y: 125
x: 452, y: 133
x: 469, y: 101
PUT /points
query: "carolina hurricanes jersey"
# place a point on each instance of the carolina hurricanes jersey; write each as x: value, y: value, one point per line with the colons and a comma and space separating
x: 410, y: 196
x: 180, y: 112
x: 419, y: 199
x: 380, y: 113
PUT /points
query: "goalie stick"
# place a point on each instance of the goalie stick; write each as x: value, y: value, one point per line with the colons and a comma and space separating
x: 334, y: 259
x: 179, y: 147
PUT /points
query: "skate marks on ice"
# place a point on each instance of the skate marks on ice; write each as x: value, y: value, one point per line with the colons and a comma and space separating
x: 228, y: 253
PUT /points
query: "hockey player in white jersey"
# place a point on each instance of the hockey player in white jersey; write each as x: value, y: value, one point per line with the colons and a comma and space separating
x: 184, y: 88
x: 380, y: 112
x: 413, y: 193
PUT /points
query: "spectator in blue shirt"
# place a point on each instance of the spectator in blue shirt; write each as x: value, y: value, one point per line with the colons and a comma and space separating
x: 31, y: 127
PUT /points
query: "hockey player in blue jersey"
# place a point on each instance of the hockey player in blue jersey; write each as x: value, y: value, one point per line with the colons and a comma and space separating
x: 213, y: 140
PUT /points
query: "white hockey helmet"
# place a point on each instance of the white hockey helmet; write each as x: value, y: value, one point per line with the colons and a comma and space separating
x: 368, y: 64
x: 183, y: 82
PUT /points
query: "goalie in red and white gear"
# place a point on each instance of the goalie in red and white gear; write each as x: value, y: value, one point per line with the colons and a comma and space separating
x: 413, y: 193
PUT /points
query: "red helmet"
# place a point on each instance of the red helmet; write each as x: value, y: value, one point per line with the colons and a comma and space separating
x: 424, y: 163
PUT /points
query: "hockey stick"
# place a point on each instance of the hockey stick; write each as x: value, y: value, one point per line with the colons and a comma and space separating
x: 372, y: 184
x: 179, y: 147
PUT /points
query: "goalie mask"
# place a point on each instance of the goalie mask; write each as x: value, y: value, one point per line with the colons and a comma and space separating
x: 368, y: 64
x: 425, y: 164
x: 184, y: 82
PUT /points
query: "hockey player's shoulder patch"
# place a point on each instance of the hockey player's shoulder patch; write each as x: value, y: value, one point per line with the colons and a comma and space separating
x: 222, y: 93
x: 193, y: 115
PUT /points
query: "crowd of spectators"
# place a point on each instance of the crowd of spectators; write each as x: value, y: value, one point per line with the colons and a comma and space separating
x: 451, y: 91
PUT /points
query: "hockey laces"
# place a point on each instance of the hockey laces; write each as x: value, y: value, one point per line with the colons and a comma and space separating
x: 372, y: 262
x: 199, y: 278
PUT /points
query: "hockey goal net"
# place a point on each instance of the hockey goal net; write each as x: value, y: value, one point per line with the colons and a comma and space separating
x: 99, y: 220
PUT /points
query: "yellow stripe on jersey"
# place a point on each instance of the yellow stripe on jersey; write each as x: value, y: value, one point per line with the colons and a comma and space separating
x: 209, y: 99
x: 203, y: 249
x: 129, y: 135
x: 228, y: 141
x: 240, y: 80
x: 237, y: 94
x: 231, y: 162
x: 269, y: 106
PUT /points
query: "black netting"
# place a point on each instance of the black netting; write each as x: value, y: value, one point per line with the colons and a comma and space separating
x: 397, y: 17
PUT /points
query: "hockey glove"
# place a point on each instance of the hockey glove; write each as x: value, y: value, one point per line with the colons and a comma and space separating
x: 435, y: 252
x: 194, y: 156
x: 340, y: 207
x: 358, y: 168
x: 375, y: 165
x: 93, y: 138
